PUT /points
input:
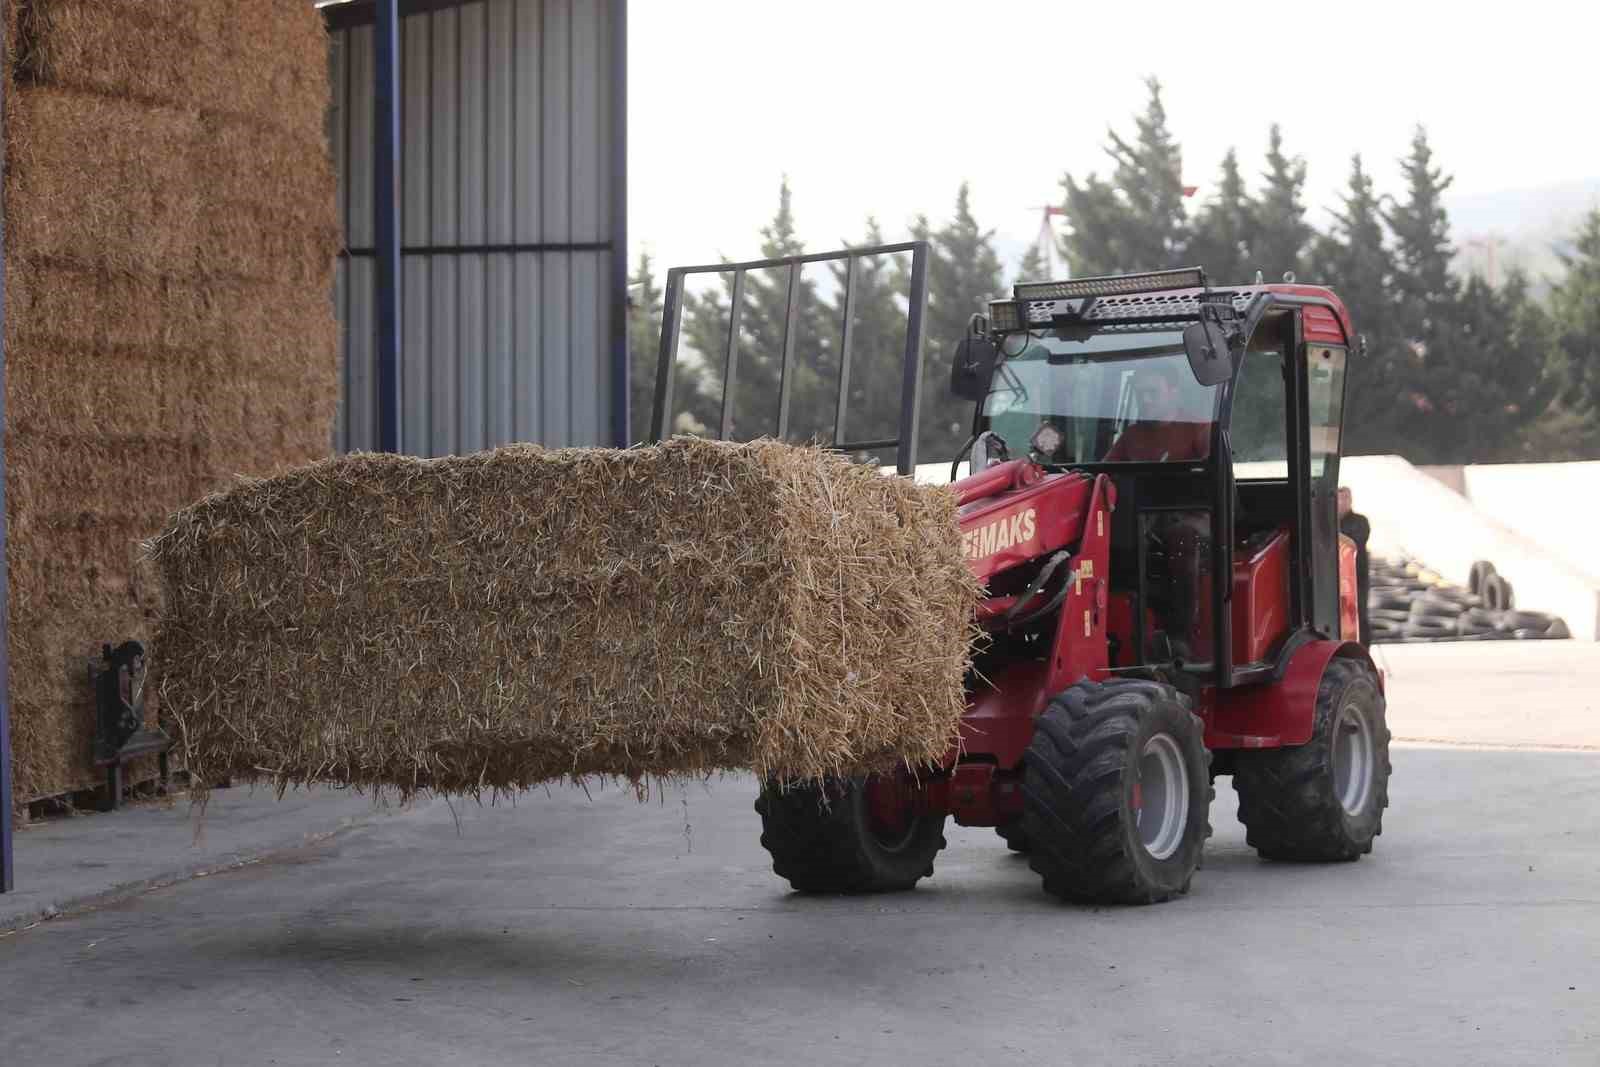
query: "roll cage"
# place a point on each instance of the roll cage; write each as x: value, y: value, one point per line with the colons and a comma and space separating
x: 1305, y: 504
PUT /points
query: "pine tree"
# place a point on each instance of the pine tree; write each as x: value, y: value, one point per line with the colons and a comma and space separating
x: 1032, y: 267
x: 761, y: 338
x: 1426, y: 295
x: 1354, y: 260
x: 964, y: 273
x: 1535, y: 382
x: 1424, y: 285
x: 1097, y: 225
x: 1488, y: 378
x: 1280, y: 233
x: 1135, y: 221
x: 1575, y: 304
x: 1569, y: 429
x: 1224, y: 231
x: 1473, y: 369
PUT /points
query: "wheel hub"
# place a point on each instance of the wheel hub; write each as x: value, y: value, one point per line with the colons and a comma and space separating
x: 1353, y: 756
x: 1161, y: 796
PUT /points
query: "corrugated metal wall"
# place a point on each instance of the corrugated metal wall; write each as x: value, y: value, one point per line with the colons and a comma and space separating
x: 509, y: 294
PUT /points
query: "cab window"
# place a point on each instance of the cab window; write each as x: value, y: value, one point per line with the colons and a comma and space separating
x: 1259, y: 428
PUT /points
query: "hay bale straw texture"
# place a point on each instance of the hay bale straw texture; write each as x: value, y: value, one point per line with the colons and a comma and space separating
x: 492, y: 621
x: 170, y: 234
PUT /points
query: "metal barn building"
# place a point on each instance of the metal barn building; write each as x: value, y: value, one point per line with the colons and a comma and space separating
x: 512, y: 207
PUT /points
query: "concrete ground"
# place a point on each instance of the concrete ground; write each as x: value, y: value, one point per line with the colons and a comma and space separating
x: 75, y: 862
x: 603, y: 931
x: 1509, y: 693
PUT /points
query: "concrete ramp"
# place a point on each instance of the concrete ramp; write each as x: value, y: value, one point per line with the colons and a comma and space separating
x: 1416, y: 514
x: 1554, y: 505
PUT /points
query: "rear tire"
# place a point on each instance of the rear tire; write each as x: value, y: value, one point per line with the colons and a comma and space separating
x: 825, y: 839
x: 1117, y: 793
x: 1323, y: 800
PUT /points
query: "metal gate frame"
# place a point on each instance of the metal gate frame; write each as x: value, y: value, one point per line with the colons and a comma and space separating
x: 905, y: 443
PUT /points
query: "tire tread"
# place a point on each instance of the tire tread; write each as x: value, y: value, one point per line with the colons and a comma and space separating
x: 1286, y: 800
x: 1072, y: 787
x: 816, y: 845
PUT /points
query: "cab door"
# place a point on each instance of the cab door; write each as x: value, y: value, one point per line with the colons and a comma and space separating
x: 1285, y: 421
x: 1322, y: 383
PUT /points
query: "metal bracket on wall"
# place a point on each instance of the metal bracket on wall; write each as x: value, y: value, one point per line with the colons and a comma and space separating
x: 362, y: 252
x: 352, y: 13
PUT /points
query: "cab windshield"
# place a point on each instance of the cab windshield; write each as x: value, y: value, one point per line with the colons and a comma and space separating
x: 1119, y: 395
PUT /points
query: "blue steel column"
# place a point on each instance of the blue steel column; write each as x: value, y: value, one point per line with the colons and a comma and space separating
x: 621, y: 360
x: 386, y: 223
x: 7, y: 874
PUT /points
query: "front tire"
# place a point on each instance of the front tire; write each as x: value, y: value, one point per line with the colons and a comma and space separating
x: 1117, y: 793
x: 841, y: 837
x: 1322, y: 801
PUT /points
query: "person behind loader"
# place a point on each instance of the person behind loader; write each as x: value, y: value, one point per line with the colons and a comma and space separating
x: 1355, y: 526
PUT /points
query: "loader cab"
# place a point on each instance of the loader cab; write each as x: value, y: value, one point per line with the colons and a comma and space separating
x: 1217, y: 416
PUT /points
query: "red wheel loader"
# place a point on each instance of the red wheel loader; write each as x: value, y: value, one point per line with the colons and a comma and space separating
x: 1151, y: 505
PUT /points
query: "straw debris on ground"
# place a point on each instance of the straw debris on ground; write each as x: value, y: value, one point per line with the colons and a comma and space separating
x: 492, y: 621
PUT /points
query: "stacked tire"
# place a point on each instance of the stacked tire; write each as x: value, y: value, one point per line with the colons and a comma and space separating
x: 1409, y: 603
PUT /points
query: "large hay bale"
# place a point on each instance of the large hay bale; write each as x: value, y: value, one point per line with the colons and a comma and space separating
x: 101, y: 182
x: 127, y: 187
x: 160, y: 337
x: 224, y: 56
x: 106, y: 46
x: 501, y: 619
x: 264, y: 329
x: 266, y: 213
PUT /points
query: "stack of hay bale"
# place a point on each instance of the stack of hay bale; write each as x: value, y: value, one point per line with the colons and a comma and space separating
x: 488, y: 622
x: 169, y: 238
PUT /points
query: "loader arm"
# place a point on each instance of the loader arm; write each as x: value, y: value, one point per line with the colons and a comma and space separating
x: 1040, y: 541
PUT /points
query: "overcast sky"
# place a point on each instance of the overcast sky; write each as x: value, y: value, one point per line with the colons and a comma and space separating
x: 881, y: 107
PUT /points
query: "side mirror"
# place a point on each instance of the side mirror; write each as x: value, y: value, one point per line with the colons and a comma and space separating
x: 972, y: 368
x: 1210, y: 356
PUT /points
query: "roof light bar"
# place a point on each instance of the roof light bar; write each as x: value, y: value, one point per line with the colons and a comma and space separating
x: 1005, y: 316
x: 1113, y: 285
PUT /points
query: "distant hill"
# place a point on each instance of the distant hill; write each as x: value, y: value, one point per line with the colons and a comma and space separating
x: 1518, y: 209
x: 1525, y: 228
